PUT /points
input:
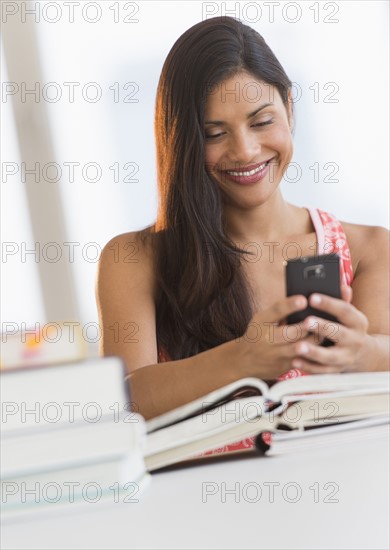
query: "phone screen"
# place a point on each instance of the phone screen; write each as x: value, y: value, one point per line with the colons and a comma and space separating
x: 310, y: 274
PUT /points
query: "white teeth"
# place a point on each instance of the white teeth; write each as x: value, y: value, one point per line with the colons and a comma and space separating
x: 250, y: 173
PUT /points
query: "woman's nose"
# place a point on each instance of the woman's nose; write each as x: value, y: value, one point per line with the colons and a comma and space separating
x: 245, y: 148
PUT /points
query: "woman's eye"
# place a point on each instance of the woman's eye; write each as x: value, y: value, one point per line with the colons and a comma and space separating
x: 213, y: 136
x: 270, y: 121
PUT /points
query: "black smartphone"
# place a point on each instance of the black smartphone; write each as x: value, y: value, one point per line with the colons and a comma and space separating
x: 310, y: 274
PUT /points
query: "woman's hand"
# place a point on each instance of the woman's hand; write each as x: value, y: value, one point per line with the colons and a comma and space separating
x: 268, y: 345
x: 353, y: 346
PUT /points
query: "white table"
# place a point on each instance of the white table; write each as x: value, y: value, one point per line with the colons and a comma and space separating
x: 178, y: 509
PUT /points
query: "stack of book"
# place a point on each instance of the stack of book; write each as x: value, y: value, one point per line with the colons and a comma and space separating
x: 68, y: 436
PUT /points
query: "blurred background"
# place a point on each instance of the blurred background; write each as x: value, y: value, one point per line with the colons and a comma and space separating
x: 78, y: 156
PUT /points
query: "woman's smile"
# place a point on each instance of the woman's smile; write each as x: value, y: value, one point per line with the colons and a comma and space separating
x: 248, y: 175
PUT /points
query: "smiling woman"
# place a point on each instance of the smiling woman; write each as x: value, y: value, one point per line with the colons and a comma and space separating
x: 197, y: 289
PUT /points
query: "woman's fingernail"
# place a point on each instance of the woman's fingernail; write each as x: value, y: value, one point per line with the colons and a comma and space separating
x: 296, y: 364
x: 303, y: 348
x: 315, y: 299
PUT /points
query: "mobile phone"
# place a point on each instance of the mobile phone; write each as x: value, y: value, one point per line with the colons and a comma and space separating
x: 310, y: 274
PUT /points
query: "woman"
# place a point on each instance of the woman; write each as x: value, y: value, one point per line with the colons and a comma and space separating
x: 188, y: 303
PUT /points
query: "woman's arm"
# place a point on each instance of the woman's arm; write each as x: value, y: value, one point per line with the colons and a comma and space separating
x: 125, y: 296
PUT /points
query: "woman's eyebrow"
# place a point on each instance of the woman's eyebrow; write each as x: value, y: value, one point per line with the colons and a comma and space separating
x: 249, y: 115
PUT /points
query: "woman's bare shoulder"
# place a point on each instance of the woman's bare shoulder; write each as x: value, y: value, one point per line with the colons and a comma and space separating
x: 133, y: 247
x: 129, y: 257
x: 365, y: 241
x: 359, y: 234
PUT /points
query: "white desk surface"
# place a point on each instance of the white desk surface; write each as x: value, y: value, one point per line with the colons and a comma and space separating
x: 170, y: 513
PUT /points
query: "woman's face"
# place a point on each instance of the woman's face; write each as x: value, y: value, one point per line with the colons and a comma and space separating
x: 246, y: 126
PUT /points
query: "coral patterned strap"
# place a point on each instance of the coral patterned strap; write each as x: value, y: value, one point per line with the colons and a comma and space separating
x: 335, y: 240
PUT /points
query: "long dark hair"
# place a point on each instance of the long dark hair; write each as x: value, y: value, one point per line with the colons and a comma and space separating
x: 203, y: 297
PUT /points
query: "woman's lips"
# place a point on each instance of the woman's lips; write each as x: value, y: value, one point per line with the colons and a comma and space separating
x: 254, y: 175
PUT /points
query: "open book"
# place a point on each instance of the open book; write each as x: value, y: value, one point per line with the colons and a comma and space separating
x: 249, y: 407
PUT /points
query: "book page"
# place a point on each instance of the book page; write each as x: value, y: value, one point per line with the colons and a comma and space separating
x: 242, y: 387
x: 247, y: 410
x: 332, y: 409
x: 348, y: 383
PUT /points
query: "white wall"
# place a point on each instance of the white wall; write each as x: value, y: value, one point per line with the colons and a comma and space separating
x: 352, y: 133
